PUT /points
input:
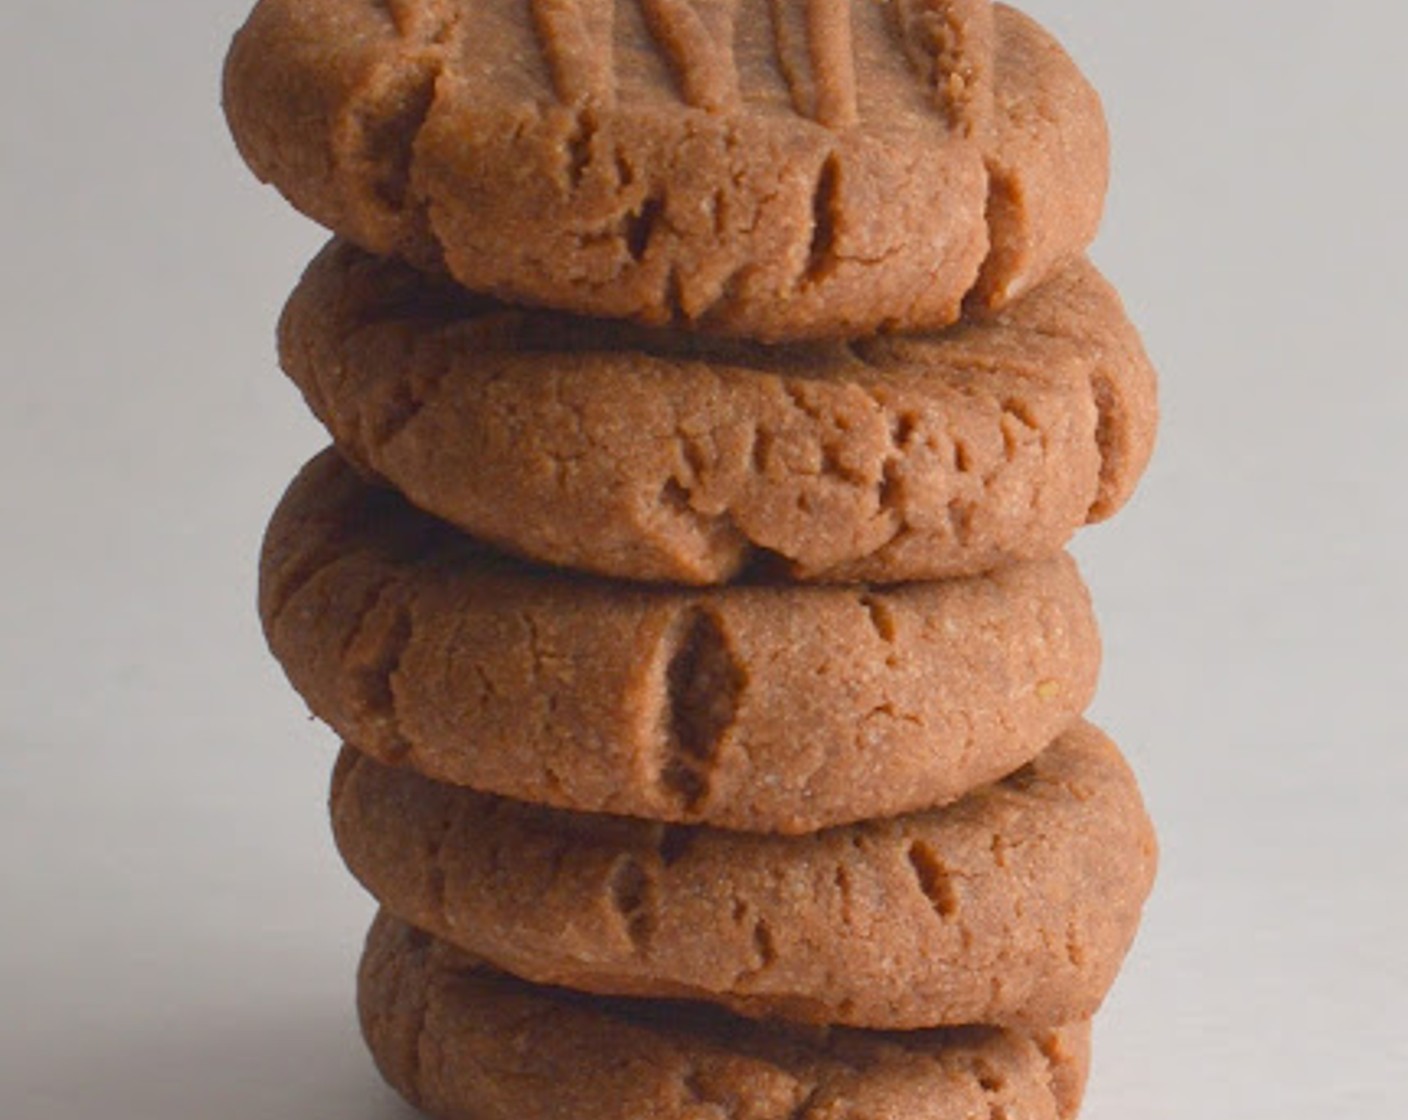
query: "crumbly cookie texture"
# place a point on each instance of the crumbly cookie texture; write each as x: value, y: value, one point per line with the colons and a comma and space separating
x: 770, y: 708
x: 464, y: 1042
x: 1012, y: 907
x: 765, y: 168
x: 661, y: 455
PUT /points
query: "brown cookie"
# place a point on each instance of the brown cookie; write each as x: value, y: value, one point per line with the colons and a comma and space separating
x: 1013, y: 906
x: 658, y: 455
x: 767, y: 708
x: 768, y: 168
x: 1049, y: 167
x: 463, y: 1042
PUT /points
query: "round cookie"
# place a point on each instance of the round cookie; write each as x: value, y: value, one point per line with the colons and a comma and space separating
x: 462, y: 1042
x: 1012, y: 907
x: 656, y: 455
x: 765, y: 708
x: 763, y: 168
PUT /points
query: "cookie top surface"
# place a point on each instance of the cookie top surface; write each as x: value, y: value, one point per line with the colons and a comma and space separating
x: 769, y: 168
x: 652, y: 454
x: 763, y: 707
x: 460, y: 1040
x: 1013, y: 906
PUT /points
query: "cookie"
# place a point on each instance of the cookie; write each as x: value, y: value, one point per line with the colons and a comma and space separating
x: 1011, y: 907
x: 766, y: 708
x: 1049, y: 167
x: 657, y: 455
x: 774, y: 169
x: 463, y: 1042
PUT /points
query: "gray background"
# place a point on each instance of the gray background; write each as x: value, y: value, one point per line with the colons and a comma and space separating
x: 178, y: 938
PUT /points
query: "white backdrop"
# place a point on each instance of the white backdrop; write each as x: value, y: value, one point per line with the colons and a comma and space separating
x: 179, y: 938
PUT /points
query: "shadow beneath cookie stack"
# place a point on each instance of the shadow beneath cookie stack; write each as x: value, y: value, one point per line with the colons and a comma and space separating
x: 710, y: 668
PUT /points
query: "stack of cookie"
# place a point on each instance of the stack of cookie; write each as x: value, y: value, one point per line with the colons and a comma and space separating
x: 714, y: 385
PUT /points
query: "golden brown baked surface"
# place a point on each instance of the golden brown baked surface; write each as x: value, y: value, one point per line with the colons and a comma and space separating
x: 662, y: 455
x: 769, y: 708
x: 768, y: 168
x: 1012, y: 907
x: 464, y: 1042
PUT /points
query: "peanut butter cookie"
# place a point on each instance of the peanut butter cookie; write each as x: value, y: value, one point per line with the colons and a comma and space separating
x: 463, y: 1042
x: 659, y: 455
x: 776, y: 708
x: 767, y: 168
x: 1011, y: 907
